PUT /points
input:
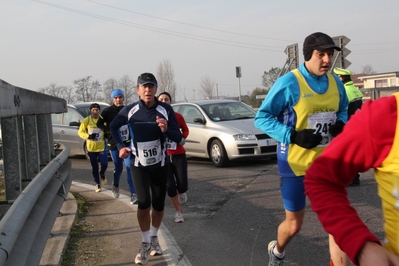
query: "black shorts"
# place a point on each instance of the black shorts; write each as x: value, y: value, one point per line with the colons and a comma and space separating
x: 146, y: 180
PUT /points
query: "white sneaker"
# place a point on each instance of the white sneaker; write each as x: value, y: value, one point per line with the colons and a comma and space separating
x: 142, y: 257
x: 183, y: 198
x: 273, y: 260
x: 155, y: 248
x: 133, y: 199
x: 115, y: 192
x: 179, y: 217
x: 98, y: 188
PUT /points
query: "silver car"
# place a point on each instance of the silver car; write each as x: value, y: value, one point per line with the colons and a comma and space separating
x: 223, y: 130
x: 66, y: 126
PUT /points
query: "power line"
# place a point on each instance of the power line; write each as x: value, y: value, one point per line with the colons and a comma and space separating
x: 200, y: 38
x: 167, y: 32
x: 188, y: 24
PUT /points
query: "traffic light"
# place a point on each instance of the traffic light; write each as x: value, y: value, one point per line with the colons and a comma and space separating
x: 238, y: 72
x: 340, y: 57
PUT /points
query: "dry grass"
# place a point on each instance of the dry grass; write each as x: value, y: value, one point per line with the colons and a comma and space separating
x: 78, y: 231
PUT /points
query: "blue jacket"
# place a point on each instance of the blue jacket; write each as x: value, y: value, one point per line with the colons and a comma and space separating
x: 284, y: 94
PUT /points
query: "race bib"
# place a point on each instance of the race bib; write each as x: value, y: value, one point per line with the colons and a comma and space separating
x: 124, y: 130
x: 171, y: 145
x: 321, y: 122
x: 98, y: 134
x: 149, y: 152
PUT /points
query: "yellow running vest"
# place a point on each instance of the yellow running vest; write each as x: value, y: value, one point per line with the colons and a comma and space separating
x: 313, y: 110
x: 387, y: 177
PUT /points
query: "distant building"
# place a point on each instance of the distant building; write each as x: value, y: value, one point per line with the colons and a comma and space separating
x: 357, y: 81
x: 388, y: 80
x: 380, y: 80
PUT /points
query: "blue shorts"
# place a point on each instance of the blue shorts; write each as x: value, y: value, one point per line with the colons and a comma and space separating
x: 293, y: 193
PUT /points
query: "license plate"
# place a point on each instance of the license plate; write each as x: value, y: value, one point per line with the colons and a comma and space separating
x: 270, y: 142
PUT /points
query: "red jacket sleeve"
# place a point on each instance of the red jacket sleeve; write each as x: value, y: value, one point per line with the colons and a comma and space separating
x: 364, y: 143
x: 182, y: 124
x: 184, y: 132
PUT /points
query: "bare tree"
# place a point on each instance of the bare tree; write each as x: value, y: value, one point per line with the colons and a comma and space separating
x: 108, y: 86
x: 166, y: 78
x: 127, y: 85
x: 88, y: 90
x: 269, y: 77
x: 207, y: 87
x: 368, y: 69
x: 64, y: 92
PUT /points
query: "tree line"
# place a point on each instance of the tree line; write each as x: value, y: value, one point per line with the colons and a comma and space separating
x: 87, y: 89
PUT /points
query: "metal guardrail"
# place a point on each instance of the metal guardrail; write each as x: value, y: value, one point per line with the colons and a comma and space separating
x: 36, y: 181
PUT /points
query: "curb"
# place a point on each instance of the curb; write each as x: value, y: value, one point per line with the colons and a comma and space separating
x: 60, y: 233
x: 56, y: 244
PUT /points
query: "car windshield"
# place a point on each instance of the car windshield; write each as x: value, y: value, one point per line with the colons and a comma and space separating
x: 85, y: 110
x: 225, y: 111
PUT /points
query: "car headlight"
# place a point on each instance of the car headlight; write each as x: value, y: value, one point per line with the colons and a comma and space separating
x: 244, y: 137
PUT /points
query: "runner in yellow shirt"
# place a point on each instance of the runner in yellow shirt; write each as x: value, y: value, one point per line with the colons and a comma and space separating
x: 94, y: 137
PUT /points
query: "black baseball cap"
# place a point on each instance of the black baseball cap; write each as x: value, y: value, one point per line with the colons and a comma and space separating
x: 147, y: 78
x: 317, y: 41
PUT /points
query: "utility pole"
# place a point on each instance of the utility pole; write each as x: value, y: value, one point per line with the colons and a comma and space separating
x: 217, y: 91
x: 194, y: 94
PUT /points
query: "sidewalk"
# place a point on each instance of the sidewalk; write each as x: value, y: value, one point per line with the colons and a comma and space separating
x: 114, y: 235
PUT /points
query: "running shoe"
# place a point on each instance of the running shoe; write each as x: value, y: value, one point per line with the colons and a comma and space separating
x: 183, y: 198
x: 155, y: 248
x: 179, y: 217
x: 103, y: 179
x: 115, y: 192
x: 273, y: 260
x: 98, y: 188
x: 133, y: 199
x: 142, y: 257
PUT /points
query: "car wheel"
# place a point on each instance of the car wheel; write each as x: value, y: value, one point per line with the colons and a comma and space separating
x: 218, y: 154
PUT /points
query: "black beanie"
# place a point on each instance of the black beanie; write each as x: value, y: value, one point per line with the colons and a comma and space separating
x: 317, y: 41
x: 307, y: 53
x: 94, y: 105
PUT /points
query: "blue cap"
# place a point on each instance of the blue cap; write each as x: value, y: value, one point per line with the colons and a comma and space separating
x: 117, y: 92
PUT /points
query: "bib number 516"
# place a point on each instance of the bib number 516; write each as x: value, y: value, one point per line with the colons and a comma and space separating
x: 150, y: 152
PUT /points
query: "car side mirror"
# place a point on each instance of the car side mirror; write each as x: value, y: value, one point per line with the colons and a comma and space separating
x: 199, y: 121
x: 74, y: 124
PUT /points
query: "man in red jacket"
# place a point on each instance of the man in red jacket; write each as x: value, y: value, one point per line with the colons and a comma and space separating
x: 366, y: 142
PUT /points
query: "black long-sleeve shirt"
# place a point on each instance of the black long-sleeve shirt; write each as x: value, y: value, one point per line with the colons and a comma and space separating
x: 106, y: 117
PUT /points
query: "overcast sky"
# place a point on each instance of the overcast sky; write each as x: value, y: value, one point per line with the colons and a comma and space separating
x: 59, y: 41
